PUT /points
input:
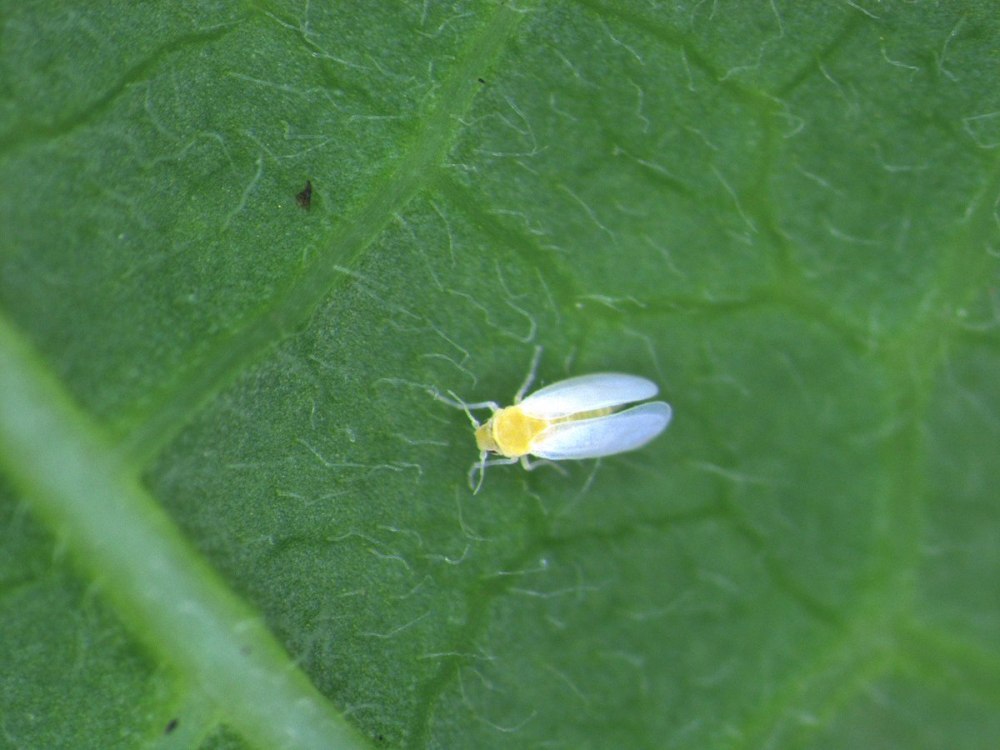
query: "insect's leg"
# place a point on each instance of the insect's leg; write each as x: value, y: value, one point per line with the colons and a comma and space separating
x: 500, y: 462
x: 532, y: 371
x: 491, y: 405
x: 458, y: 403
x: 481, y: 466
x: 530, y: 465
x: 454, y: 401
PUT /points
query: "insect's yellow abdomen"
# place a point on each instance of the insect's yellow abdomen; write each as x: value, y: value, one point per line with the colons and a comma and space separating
x: 509, y: 432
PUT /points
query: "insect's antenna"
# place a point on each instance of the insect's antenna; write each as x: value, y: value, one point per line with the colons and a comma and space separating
x: 532, y: 371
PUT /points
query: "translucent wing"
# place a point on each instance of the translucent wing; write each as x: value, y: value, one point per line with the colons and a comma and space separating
x: 587, y: 392
x: 603, y: 436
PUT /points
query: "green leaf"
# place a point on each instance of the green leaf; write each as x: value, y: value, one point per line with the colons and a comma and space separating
x: 232, y: 511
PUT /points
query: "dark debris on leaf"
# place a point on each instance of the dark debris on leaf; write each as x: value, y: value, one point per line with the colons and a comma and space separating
x: 304, y: 198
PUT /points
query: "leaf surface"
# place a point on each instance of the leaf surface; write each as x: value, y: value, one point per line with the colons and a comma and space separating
x: 234, y: 514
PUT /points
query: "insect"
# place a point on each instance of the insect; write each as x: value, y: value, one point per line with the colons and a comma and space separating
x: 572, y: 419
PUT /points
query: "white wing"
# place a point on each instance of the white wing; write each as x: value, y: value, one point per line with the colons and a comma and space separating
x: 586, y: 392
x: 603, y: 436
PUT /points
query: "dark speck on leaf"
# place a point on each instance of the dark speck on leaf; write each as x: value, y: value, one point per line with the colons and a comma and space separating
x: 304, y: 198
x: 171, y: 726
x: 481, y: 80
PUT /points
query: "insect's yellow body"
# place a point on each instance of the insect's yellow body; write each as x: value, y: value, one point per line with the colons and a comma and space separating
x: 510, y: 432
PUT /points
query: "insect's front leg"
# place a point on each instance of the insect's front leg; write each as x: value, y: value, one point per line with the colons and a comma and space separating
x: 458, y: 403
x: 481, y: 465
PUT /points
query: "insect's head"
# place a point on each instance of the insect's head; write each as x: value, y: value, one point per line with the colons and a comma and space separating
x: 484, y: 438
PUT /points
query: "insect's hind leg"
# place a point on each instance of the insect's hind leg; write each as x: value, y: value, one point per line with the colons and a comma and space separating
x: 530, y: 465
